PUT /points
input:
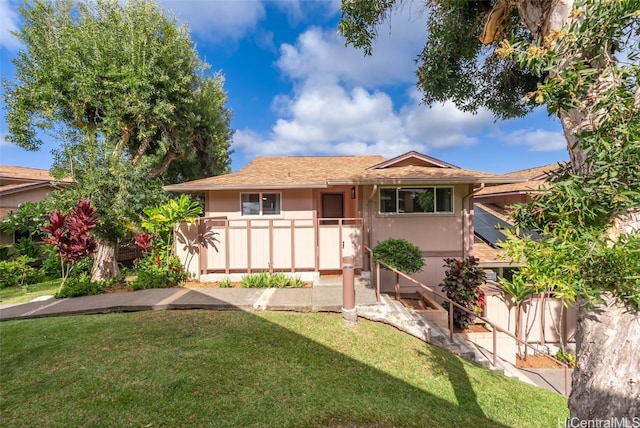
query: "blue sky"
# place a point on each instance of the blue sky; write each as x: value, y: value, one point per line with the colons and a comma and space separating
x: 295, y: 89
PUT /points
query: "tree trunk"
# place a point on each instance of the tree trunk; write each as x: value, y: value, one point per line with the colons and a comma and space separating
x: 606, y: 379
x: 105, y: 265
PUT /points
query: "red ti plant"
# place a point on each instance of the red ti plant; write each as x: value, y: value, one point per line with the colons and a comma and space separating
x: 144, y: 240
x: 69, y: 233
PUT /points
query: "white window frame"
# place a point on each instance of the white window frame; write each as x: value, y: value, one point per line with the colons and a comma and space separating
x: 397, y: 202
x: 260, y: 201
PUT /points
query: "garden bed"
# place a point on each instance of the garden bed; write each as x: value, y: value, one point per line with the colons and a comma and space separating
x: 427, y: 307
x: 198, y: 284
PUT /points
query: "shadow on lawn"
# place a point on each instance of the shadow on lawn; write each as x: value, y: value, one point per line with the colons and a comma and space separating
x: 451, y: 366
x: 213, y: 368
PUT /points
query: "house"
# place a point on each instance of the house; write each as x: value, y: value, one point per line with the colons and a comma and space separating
x: 20, y: 184
x: 304, y: 214
x: 547, y: 319
x: 491, y: 213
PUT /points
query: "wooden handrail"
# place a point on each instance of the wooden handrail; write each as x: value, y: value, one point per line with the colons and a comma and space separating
x: 495, y: 328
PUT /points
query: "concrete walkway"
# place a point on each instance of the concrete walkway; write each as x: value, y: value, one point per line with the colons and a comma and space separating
x: 324, y: 296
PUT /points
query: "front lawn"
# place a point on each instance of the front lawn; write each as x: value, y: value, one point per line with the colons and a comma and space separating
x: 237, y: 369
x: 29, y: 292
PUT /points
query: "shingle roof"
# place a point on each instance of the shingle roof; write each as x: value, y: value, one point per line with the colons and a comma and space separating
x: 537, y: 176
x: 15, y: 175
x: 322, y: 171
x: 292, y: 171
x: 24, y: 174
x: 522, y: 187
x: 536, y: 173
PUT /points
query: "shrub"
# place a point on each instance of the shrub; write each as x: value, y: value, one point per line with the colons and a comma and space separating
x: 225, y: 283
x: 50, y: 261
x: 266, y: 280
x: 256, y: 280
x: 81, y: 285
x: 400, y: 254
x: 462, y: 285
x: 566, y: 357
x: 279, y: 280
x: 28, y: 247
x: 18, y: 272
x: 5, y: 252
x: 159, y: 271
x: 295, y: 282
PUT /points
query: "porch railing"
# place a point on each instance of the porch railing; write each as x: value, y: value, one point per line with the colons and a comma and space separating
x: 307, y: 244
x: 494, y: 328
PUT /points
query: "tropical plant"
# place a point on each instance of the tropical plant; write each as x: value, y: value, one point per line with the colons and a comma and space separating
x: 26, y: 220
x: 158, y: 270
x: 266, y: 280
x: 256, y: 280
x: 161, y: 268
x: 162, y: 218
x: 461, y: 284
x: 26, y: 246
x: 566, y: 356
x: 225, y: 283
x: 517, y: 291
x: 18, y: 272
x: 399, y: 254
x: 5, y: 252
x: 70, y: 235
x: 144, y: 241
x: 81, y: 285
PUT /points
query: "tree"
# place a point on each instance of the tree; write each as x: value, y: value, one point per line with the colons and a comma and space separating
x: 122, y: 88
x: 509, y: 57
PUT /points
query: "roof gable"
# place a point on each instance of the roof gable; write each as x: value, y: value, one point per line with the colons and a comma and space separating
x: 413, y: 158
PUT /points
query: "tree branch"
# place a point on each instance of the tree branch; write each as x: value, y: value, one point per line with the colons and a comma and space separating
x: 144, y: 145
x: 168, y: 158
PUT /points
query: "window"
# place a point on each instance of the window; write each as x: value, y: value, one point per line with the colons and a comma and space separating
x: 400, y: 200
x: 260, y: 203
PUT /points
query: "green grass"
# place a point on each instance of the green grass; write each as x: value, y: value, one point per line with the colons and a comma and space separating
x: 28, y: 292
x: 238, y: 369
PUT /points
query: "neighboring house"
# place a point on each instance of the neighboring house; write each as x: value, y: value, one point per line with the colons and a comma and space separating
x: 20, y: 184
x: 491, y: 207
x: 304, y: 214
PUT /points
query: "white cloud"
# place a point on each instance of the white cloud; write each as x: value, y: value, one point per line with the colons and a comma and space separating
x: 319, y: 52
x: 8, y: 23
x: 218, y: 21
x: 537, y: 140
x: 444, y: 125
x: 325, y: 118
